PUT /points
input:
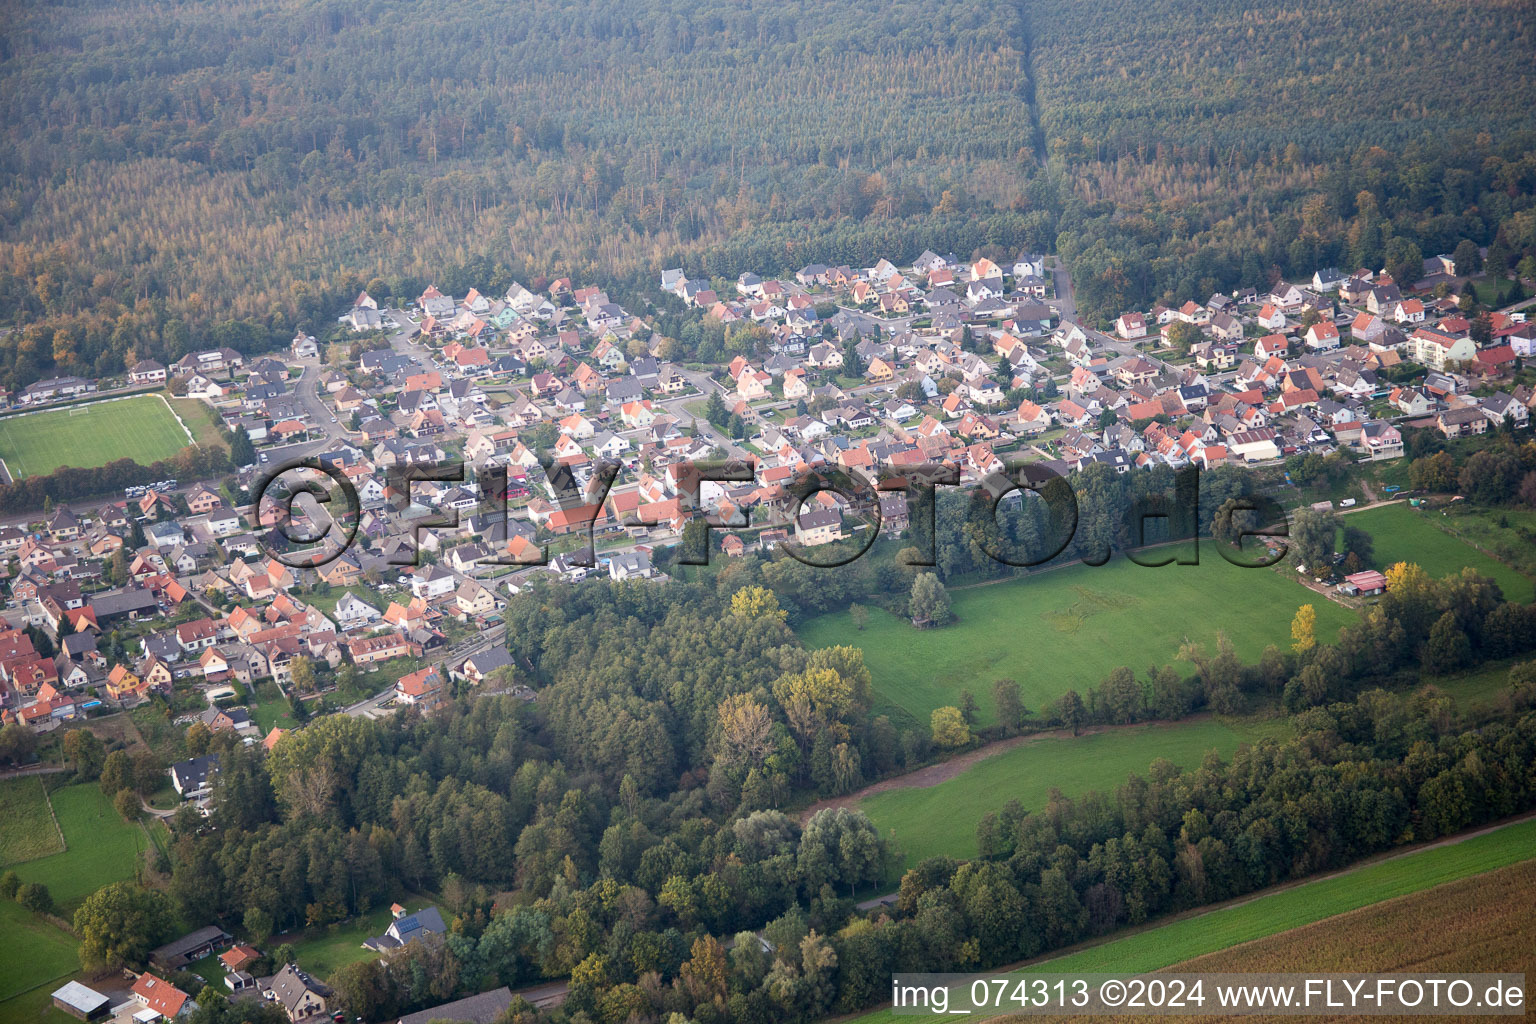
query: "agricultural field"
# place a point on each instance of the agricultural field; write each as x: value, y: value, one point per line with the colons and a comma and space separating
x: 1483, y: 923
x: 1401, y: 533
x: 140, y: 428
x: 101, y: 847
x: 1286, y: 908
x: 941, y: 819
x: 1478, y: 924
x: 27, y: 831
x: 1069, y: 628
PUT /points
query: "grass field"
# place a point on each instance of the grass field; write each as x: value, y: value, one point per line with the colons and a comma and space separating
x: 323, y: 950
x: 1068, y: 629
x: 1479, y: 686
x: 102, y: 848
x: 201, y: 420
x: 271, y: 709
x: 27, y: 831
x: 141, y: 428
x: 1401, y: 533
x: 1284, y: 909
x: 32, y: 952
x: 34, y: 1007
x: 1505, y: 533
x: 942, y: 819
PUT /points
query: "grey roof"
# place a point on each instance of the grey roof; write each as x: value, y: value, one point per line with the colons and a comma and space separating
x: 123, y: 602
x: 491, y: 660
x: 290, y: 984
x: 481, y: 1009
x: 405, y: 929
x: 87, y: 1000
x: 192, y: 775
x: 192, y: 940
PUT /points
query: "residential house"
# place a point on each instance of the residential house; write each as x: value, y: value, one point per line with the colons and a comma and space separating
x: 818, y: 526
x: 160, y: 999
x: 301, y: 997
x: 1463, y: 422
x: 406, y: 928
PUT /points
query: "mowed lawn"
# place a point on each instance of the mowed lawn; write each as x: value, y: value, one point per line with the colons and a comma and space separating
x: 101, y: 848
x: 140, y: 428
x: 1281, y: 910
x: 27, y: 831
x: 1401, y: 533
x: 1069, y: 628
x: 323, y: 950
x: 941, y: 820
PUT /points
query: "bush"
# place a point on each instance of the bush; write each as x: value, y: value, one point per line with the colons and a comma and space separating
x: 35, y: 897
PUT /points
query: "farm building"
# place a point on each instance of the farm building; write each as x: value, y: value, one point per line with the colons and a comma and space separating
x: 1366, y: 584
x: 79, y: 1001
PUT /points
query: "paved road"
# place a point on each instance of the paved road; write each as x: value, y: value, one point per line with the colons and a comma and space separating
x: 1065, y: 302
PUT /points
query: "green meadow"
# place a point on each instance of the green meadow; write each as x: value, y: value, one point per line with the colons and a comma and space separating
x: 101, y: 847
x: 941, y: 820
x: 1401, y: 533
x: 27, y: 831
x: 1069, y: 628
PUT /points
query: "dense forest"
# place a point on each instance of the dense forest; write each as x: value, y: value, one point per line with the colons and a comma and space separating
x: 1202, y: 146
x: 192, y: 174
x: 168, y: 169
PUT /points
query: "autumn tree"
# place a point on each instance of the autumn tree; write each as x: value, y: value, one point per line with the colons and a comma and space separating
x: 126, y: 803
x: 745, y: 736
x: 757, y: 602
x: 303, y: 672
x: 949, y: 728
x: 1304, y: 629
x: 84, y: 750
x: 116, y: 772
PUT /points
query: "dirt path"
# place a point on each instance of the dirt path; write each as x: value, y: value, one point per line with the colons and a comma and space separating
x: 934, y: 774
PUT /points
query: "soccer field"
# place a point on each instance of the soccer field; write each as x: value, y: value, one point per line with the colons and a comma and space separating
x: 141, y: 428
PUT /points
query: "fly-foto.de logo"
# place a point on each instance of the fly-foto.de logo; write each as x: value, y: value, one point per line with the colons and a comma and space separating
x: 311, y: 512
